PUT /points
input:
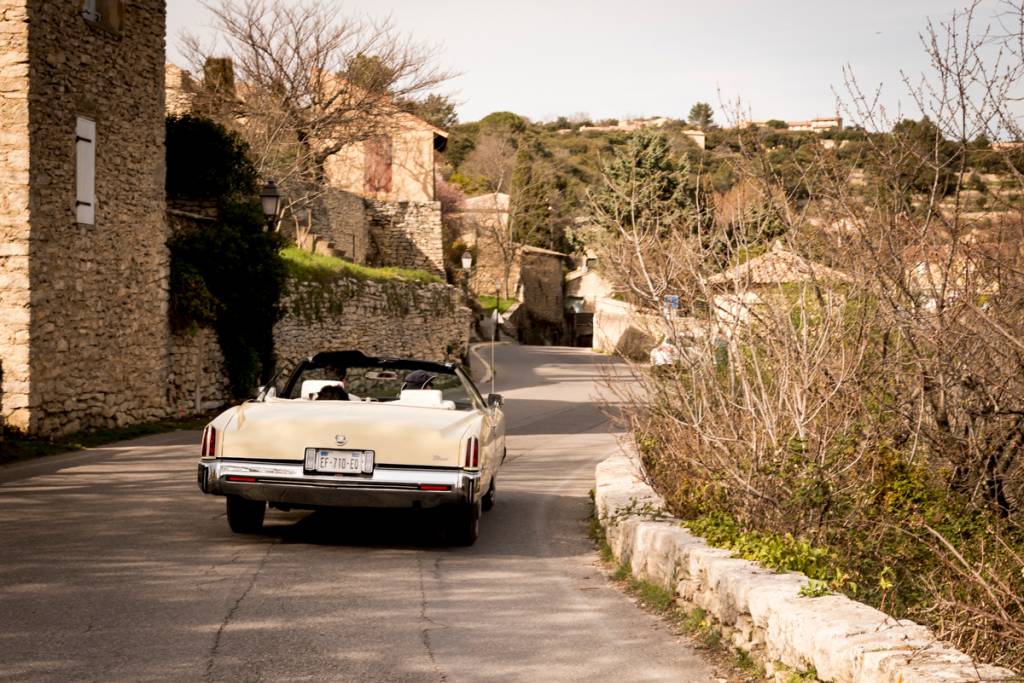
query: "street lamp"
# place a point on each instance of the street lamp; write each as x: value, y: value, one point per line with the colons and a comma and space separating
x: 270, y: 198
x: 467, y: 260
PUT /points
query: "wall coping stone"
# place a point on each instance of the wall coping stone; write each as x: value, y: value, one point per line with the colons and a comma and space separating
x: 761, y: 610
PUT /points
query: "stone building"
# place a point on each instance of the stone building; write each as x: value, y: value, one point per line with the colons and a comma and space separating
x: 84, y: 335
x: 394, y: 173
x: 396, y: 166
x: 377, y: 203
x: 531, y: 275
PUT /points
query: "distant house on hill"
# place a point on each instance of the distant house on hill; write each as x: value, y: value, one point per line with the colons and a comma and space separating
x: 816, y: 125
x: 629, y: 125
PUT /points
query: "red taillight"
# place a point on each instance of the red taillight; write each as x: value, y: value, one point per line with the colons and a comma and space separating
x: 247, y: 479
x: 473, y: 452
x: 209, y: 449
x: 434, y: 487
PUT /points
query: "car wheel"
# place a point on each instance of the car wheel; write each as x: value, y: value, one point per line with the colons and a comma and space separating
x: 464, y: 525
x: 488, y: 501
x: 245, y: 516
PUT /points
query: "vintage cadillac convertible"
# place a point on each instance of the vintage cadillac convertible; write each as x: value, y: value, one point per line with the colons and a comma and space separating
x: 348, y: 430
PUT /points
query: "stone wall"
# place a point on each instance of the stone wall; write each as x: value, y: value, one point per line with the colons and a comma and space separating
x: 406, y: 234
x: 761, y: 611
x: 340, y: 218
x: 619, y: 328
x: 97, y: 336
x: 15, y: 290
x: 198, y: 379
x: 378, y: 318
x: 542, y: 277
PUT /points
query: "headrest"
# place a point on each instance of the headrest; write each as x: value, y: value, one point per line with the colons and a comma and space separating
x: 311, y: 387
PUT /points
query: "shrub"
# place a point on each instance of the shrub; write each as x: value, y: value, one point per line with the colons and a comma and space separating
x: 226, y: 274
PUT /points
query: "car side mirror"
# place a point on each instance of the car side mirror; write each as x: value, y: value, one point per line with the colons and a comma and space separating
x: 494, y: 400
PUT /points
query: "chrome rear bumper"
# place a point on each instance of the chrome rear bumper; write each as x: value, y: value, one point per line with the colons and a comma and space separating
x: 287, y: 485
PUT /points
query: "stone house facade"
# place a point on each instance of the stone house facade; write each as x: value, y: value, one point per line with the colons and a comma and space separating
x: 377, y: 203
x: 394, y: 174
x: 396, y: 166
x: 84, y: 335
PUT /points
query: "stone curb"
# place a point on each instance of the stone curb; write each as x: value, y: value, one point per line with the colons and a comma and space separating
x: 760, y: 610
x: 474, y: 350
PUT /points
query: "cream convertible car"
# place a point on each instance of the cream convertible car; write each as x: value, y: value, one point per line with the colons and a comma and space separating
x: 348, y: 430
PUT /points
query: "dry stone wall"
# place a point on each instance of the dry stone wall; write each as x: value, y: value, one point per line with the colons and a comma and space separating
x: 378, y: 318
x: 198, y: 379
x: 762, y: 611
x: 406, y: 234
x: 15, y: 291
x: 340, y: 218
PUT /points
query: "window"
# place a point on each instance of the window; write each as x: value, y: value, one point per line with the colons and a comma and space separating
x: 108, y: 14
x: 85, y: 171
x: 377, y: 165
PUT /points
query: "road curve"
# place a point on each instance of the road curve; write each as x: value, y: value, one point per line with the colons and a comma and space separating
x: 114, y: 567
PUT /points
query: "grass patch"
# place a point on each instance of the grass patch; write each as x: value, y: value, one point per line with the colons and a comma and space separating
x: 308, y: 267
x: 489, y: 302
x: 595, y: 532
x: 781, y: 552
x: 815, y: 589
x: 17, y: 446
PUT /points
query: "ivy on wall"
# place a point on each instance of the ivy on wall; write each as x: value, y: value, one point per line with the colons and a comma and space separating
x: 227, y: 273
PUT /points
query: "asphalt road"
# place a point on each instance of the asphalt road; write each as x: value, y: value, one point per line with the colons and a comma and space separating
x: 113, y: 566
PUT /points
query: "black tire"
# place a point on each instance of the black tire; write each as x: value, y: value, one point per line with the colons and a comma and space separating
x: 464, y: 523
x: 245, y: 516
x: 488, y: 500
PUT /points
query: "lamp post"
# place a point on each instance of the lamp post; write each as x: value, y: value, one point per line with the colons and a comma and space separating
x: 270, y: 198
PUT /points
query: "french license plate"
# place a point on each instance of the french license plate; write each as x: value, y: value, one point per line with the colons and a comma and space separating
x: 335, y: 461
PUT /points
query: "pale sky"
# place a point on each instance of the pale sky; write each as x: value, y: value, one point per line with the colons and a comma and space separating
x: 627, y: 58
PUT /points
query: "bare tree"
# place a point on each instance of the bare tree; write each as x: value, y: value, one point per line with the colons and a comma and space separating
x: 310, y: 81
x: 492, y: 161
x: 861, y: 387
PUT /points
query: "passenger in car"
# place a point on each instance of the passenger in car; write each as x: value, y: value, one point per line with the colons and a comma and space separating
x: 418, y: 379
x: 332, y: 392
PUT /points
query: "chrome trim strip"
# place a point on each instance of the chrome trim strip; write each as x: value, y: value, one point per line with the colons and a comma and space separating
x: 289, y: 484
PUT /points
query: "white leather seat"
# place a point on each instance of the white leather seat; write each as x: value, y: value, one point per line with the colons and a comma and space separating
x: 425, y: 398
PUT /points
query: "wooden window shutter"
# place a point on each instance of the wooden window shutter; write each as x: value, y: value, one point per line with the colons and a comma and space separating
x: 377, y: 165
x: 85, y: 171
x: 111, y: 14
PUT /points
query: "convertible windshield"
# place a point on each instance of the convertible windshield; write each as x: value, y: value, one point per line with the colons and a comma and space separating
x: 355, y: 377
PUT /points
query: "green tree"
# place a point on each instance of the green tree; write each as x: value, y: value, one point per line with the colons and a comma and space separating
x: 701, y: 115
x: 924, y: 160
x: 371, y: 73
x: 504, y: 120
x: 644, y: 188
x: 435, y: 109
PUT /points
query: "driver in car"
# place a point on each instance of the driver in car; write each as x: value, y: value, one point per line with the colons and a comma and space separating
x: 337, y: 392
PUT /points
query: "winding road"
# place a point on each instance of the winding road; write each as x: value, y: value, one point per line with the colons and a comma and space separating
x: 114, y: 567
